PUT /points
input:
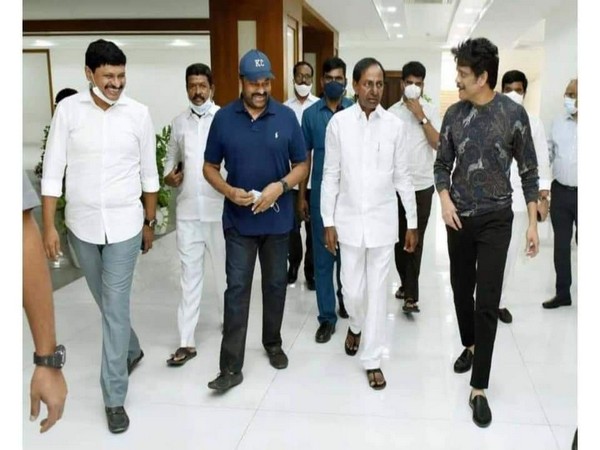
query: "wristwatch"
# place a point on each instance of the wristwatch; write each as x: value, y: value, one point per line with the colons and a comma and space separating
x: 425, y: 121
x: 150, y: 223
x: 286, y: 187
x: 56, y: 360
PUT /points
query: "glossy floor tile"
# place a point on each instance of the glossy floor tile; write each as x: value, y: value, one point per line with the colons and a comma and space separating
x: 322, y: 400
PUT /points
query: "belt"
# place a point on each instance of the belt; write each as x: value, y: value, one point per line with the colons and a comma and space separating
x: 568, y: 188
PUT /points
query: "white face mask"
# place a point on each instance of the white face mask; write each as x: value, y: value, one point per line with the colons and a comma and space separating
x: 515, y: 97
x: 570, y: 106
x: 412, y: 91
x: 302, y: 89
x: 203, y: 108
x: 96, y: 90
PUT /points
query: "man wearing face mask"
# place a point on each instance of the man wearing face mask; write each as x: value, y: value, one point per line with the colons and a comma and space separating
x: 106, y: 142
x: 199, y: 207
x: 514, y: 85
x: 314, y: 124
x: 422, y: 122
x: 563, y: 151
x: 302, y: 99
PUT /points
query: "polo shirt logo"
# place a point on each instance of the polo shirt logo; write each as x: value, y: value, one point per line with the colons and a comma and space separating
x: 277, y: 135
x: 259, y: 63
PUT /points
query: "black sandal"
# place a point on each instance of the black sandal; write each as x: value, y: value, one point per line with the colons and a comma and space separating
x: 410, y: 306
x: 181, y: 356
x: 351, y: 343
x: 371, y: 375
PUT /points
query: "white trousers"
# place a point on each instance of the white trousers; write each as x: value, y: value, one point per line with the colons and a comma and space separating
x: 364, y: 274
x: 196, y: 238
x: 516, y: 247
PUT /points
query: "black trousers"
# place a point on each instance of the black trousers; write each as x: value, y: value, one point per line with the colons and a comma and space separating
x: 295, y: 250
x: 563, y: 213
x: 477, y: 259
x: 408, y: 265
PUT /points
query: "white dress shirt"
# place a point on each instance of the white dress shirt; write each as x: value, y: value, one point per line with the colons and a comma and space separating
x: 299, y: 109
x: 365, y: 163
x: 563, y: 148
x: 196, y: 199
x: 541, y: 151
x: 421, y: 155
x: 110, y: 158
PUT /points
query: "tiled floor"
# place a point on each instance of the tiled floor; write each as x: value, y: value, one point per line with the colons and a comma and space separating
x: 322, y: 399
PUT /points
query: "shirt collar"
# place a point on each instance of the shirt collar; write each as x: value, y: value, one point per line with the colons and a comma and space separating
x: 211, y: 112
x: 345, y: 103
x: 378, y: 112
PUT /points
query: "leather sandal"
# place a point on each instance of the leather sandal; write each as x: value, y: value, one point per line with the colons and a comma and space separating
x: 181, y: 356
x: 351, y: 343
x: 371, y: 375
x: 410, y: 306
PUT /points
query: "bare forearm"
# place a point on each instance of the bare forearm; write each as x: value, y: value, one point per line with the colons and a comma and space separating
x: 432, y: 135
x: 212, y: 174
x: 303, y: 186
x: 48, y: 211
x: 150, y: 200
x: 298, y: 174
x: 532, y: 213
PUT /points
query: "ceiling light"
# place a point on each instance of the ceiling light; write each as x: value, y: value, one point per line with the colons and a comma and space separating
x: 180, y: 43
x: 463, y: 25
x: 399, y: 35
x: 391, y: 9
x: 470, y: 10
x: 42, y: 43
x: 396, y: 25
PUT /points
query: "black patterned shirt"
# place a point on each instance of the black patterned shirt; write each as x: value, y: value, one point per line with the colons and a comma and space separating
x: 479, y: 143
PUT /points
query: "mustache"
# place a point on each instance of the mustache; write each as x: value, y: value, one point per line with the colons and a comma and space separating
x: 199, y: 97
x: 110, y: 86
x: 259, y: 95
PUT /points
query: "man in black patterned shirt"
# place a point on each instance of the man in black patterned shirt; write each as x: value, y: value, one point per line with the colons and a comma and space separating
x: 479, y: 137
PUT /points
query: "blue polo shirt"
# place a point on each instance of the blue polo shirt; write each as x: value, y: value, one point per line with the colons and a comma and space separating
x: 314, y: 124
x: 256, y: 153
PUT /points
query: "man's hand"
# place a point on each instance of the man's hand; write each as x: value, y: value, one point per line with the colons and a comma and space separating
x: 449, y: 214
x: 147, y: 238
x: 269, y: 195
x: 330, y: 238
x: 51, y: 243
x: 533, y: 241
x: 543, y: 207
x: 240, y: 197
x: 174, y: 178
x: 411, y: 239
x: 302, y: 209
x: 414, y: 106
x: 47, y: 385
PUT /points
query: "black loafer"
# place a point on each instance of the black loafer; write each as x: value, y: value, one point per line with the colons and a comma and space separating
x: 556, y: 302
x: 310, y: 285
x: 504, y: 315
x: 482, y: 415
x: 326, y: 329
x: 133, y: 364
x: 464, y: 362
x: 292, y: 275
x: 399, y: 293
x: 278, y: 359
x: 342, y: 312
x: 226, y: 381
x: 117, y: 418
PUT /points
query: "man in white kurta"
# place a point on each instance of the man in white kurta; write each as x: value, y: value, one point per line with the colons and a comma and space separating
x: 365, y: 165
x: 199, y: 208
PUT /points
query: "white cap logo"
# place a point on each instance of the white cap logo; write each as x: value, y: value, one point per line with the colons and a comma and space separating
x: 259, y: 63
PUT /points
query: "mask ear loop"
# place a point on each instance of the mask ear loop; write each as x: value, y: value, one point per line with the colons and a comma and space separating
x: 275, y: 207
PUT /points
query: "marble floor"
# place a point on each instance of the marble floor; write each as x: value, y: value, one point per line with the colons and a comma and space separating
x: 322, y: 400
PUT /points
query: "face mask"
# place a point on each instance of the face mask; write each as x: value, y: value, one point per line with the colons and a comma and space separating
x: 515, y: 97
x: 203, y: 108
x: 96, y: 90
x: 412, y: 91
x: 334, y: 90
x: 302, y: 89
x: 570, y: 106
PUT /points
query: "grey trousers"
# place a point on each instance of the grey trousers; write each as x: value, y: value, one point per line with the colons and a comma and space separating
x: 108, y: 270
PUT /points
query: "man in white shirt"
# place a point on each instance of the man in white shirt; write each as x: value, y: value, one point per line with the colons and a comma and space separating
x: 514, y: 85
x: 106, y: 142
x: 563, y: 151
x: 199, y: 207
x: 302, y: 99
x: 365, y: 161
x: 422, y: 123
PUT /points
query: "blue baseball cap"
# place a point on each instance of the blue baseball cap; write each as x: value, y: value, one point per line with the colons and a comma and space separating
x: 255, y: 65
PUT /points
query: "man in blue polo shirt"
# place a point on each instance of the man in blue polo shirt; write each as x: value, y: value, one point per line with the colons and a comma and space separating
x: 257, y: 138
x: 314, y: 124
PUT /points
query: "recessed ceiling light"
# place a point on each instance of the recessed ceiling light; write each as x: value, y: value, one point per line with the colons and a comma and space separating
x: 463, y: 25
x: 42, y: 43
x: 396, y: 25
x: 470, y: 10
x: 391, y: 9
x: 399, y: 35
x: 181, y: 43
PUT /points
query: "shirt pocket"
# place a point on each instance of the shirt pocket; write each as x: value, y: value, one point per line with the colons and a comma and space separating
x: 385, y: 157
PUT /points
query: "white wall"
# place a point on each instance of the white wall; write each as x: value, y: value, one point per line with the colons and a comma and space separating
x: 394, y: 59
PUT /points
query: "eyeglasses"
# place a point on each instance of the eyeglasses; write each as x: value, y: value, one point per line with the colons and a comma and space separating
x: 303, y: 77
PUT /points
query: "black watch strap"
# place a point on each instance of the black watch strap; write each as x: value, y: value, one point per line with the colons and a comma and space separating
x: 286, y: 187
x: 56, y: 360
x: 150, y: 223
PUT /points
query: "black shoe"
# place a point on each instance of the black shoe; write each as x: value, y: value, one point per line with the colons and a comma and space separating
x: 482, y: 415
x: 310, y: 285
x: 326, y: 329
x: 292, y: 275
x: 277, y: 358
x: 399, y: 293
x: 504, y: 315
x: 555, y: 302
x: 464, y: 362
x: 342, y: 312
x: 118, y: 421
x: 133, y: 364
x: 226, y: 381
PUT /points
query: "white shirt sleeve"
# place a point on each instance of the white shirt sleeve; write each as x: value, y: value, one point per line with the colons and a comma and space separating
x: 148, y: 170
x: 402, y: 178
x: 330, y: 186
x: 541, y: 151
x: 55, y: 158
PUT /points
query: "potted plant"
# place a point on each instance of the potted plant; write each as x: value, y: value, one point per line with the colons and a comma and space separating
x: 164, y: 193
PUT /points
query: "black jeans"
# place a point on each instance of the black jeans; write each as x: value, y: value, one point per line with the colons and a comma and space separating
x: 563, y: 213
x: 408, y: 265
x: 295, y: 249
x: 240, y: 259
x: 477, y: 259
